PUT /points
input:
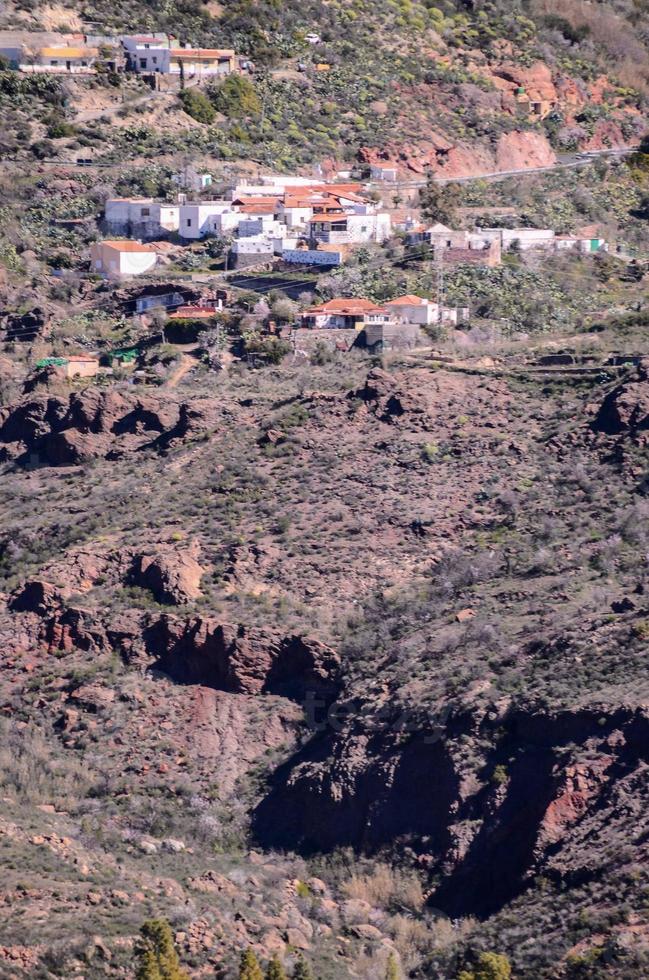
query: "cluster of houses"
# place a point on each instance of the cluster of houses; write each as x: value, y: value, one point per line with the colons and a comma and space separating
x: 293, y: 219
x: 485, y: 246
x: 296, y: 221
x: 84, y: 54
x: 398, y: 324
x: 341, y: 324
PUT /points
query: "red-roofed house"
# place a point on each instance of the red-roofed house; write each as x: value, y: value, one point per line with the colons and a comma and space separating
x: 423, y: 312
x: 147, y: 57
x: 193, y: 312
x: 345, y: 314
x: 414, y: 309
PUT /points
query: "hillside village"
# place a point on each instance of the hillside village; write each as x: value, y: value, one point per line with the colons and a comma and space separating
x: 324, y: 478
x: 282, y: 225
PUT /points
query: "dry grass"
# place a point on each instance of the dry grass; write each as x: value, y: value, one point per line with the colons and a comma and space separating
x: 31, y: 770
x: 629, y: 58
x: 386, y: 888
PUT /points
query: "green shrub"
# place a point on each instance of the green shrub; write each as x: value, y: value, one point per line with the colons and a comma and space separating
x: 249, y: 968
x: 197, y: 105
x: 236, y: 97
x: 157, y: 956
x: 58, y: 128
x: 275, y: 970
x: 491, y: 966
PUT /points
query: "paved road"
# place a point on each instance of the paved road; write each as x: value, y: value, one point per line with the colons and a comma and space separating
x: 566, y: 162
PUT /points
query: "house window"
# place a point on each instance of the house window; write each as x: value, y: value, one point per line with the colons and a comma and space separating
x: 155, y: 60
x: 53, y: 63
x: 145, y: 212
x: 142, y: 62
x: 189, y: 222
x: 84, y: 64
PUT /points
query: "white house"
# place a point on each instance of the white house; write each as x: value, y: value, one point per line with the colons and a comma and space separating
x: 187, y: 62
x: 341, y: 314
x: 144, y: 50
x: 116, y: 259
x: 196, y: 220
x: 65, y: 60
x: 252, y: 250
x: 191, y: 180
x: 140, y: 216
x: 312, y: 256
x: 340, y: 229
x: 423, y: 312
x: 119, y: 212
x: 295, y: 216
x: 384, y: 171
x: 587, y: 246
x: 414, y: 309
x: 526, y: 238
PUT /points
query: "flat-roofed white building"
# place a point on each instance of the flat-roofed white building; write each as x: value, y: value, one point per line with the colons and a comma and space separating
x: 196, y: 220
x: 187, y: 62
x: 522, y: 238
x: 345, y: 228
x: 140, y: 216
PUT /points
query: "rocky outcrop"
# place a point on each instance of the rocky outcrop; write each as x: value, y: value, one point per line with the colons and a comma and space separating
x: 363, y: 786
x: 370, y: 791
x: 383, y: 395
x: 25, y: 327
x: 195, y: 650
x: 517, y: 150
x: 418, y: 400
x: 94, y: 423
x: 523, y: 150
x: 35, y: 596
x: 537, y: 80
x: 243, y: 660
x: 626, y: 408
x: 172, y: 575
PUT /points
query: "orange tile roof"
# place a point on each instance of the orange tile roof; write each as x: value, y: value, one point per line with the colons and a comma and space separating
x: 408, y: 300
x: 257, y: 208
x: 202, y: 53
x: 350, y: 307
x: 69, y: 52
x: 340, y: 216
x: 193, y: 312
x: 128, y: 246
x: 252, y: 199
x: 338, y: 188
x: 310, y: 200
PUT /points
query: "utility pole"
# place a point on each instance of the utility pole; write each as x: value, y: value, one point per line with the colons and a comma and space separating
x: 441, y: 296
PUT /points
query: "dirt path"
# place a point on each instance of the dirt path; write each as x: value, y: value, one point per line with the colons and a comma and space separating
x: 186, y: 363
x: 89, y: 115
